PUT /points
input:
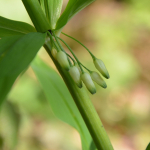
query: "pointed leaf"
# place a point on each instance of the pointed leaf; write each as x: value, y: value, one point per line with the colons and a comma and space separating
x: 60, y: 99
x: 10, y: 27
x: 73, y: 7
x: 16, y: 58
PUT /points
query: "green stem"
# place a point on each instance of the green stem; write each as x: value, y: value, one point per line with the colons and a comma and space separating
x: 37, y: 15
x: 85, y: 107
x: 58, y: 42
x: 71, y: 58
x: 80, y: 44
x: 80, y: 96
x: 51, y: 37
x: 86, y: 68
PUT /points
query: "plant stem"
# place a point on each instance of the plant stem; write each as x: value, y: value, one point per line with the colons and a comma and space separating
x: 86, y: 68
x: 80, y: 96
x: 37, y: 15
x: 51, y: 37
x: 80, y: 44
x: 85, y: 107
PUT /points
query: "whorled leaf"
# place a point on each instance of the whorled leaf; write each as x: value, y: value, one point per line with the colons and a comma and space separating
x: 10, y: 28
x: 16, y: 57
x: 60, y: 100
x: 73, y: 7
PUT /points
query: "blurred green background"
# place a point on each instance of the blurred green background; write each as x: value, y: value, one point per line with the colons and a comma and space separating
x: 116, y: 31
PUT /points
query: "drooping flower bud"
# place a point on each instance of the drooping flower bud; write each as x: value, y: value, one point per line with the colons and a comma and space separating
x: 54, y: 52
x: 76, y: 64
x: 75, y: 74
x: 63, y: 60
x: 98, y: 79
x: 100, y: 66
x: 87, y: 80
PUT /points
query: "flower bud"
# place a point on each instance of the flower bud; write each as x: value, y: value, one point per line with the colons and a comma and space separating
x: 76, y: 64
x: 54, y: 52
x: 86, y: 78
x: 101, y: 68
x: 63, y: 60
x: 98, y: 79
x: 75, y: 74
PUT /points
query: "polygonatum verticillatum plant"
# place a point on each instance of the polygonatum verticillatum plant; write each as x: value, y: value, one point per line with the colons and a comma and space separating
x: 19, y: 45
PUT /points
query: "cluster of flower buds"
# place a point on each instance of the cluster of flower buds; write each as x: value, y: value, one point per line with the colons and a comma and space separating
x: 76, y: 71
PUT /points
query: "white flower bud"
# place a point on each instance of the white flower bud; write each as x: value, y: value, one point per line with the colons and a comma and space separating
x: 75, y: 74
x: 76, y: 64
x: 54, y: 52
x: 63, y: 60
x: 98, y: 79
x: 86, y: 78
x: 101, y: 68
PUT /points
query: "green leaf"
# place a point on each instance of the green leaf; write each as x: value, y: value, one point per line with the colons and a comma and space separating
x: 53, y: 10
x: 10, y: 27
x: 60, y: 99
x: 7, y: 42
x: 73, y: 7
x: 42, y: 5
x: 9, y: 125
x: 148, y: 147
x: 16, y: 57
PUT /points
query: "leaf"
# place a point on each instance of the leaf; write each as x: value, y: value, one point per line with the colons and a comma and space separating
x: 148, y: 147
x: 7, y: 42
x: 53, y: 10
x: 60, y: 99
x: 73, y: 7
x: 10, y: 27
x: 17, y: 58
x: 9, y: 125
x: 42, y: 5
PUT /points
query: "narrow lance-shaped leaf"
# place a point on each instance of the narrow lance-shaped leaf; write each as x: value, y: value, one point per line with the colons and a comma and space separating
x: 60, y: 100
x: 10, y: 28
x: 73, y: 7
x: 16, y: 58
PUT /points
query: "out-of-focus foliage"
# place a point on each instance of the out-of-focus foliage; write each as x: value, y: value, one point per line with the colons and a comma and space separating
x: 73, y: 7
x: 148, y: 147
x: 118, y: 32
x: 60, y: 100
